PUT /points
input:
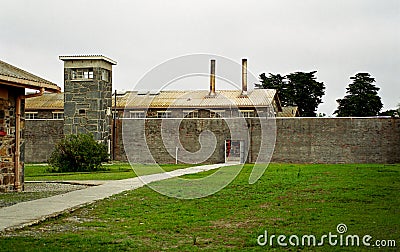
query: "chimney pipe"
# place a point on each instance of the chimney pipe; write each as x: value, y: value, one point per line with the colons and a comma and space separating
x: 244, y: 77
x: 212, y: 79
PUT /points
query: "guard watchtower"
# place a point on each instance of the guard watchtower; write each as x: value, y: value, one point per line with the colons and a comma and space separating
x: 88, y: 95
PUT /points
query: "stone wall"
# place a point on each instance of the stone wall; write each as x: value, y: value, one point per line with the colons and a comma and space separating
x: 144, y: 139
x: 40, y: 138
x: 8, y: 98
x: 85, y: 104
x: 298, y: 140
x: 337, y: 140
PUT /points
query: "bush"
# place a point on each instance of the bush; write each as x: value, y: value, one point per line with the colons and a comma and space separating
x: 78, y: 153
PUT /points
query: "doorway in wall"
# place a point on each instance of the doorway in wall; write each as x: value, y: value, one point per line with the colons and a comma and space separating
x: 234, y: 151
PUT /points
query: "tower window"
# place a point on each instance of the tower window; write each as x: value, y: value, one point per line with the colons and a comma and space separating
x: 105, y: 75
x: 82, y: 73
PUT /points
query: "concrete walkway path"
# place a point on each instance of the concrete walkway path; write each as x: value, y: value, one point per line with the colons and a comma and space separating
x: 32, y: 212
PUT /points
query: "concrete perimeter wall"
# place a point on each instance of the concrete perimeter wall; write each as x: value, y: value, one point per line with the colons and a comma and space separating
x: 298, y: 140
x: 40, y: 138
x: 337, y: 140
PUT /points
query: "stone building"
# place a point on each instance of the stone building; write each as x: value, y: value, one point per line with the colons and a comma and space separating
x: 197, y: 104
x: 86, y: 105
x: 87, y: 95
x: 46, y: 113
x: 170, y: 104
x: 87, y: 99
x: 13, y: 82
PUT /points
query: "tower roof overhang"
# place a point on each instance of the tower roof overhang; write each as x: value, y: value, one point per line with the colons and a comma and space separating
x: 88, y: 57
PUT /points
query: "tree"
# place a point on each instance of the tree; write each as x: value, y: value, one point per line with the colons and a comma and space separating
x: 78, y: 153
x: 296, y: 89
x: 362, y: 98
x: 306, y: 92
x: 278, y: 82
x: 391, y: 112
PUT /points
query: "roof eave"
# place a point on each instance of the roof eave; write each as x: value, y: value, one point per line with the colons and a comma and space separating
x: 88, y: 57
x: 17, y: 82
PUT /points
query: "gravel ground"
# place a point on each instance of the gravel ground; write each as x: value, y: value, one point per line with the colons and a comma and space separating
x: 53, y: 187
x: 37, y: 191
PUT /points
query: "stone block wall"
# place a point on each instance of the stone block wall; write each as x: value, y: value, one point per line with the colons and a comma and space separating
x: 40, y: 138
x: 298, y: 140
x: 86, y: 103
x: 337, y: 140
x: 145, y: 138
x: 8, y: 99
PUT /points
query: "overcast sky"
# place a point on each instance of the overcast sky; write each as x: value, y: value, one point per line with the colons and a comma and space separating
x: 336, y: 38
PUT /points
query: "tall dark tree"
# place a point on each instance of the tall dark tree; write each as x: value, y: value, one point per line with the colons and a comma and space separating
x: 296, y: 89
x: 278, y: 82
x: 307, y: 92
x: 362, y: 98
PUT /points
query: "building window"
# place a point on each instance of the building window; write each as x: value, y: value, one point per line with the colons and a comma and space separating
x: 82, y: 73
x: 105, y: 75
x: 164, y: 114
x: 217, y: 113
x: 58, y: 115
x: 136, y: 114
x: 31, y: 115
x: 191, y: 114
x: 247, y: 113
x: 82, y: 112
x: 115, y: 114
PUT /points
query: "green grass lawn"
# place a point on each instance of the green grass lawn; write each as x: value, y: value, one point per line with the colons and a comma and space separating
x: 288, y: 200
x: 112, y: 172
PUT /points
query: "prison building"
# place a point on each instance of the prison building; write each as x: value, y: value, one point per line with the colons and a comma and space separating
x: 13, y: 82
x: 197, y: 104
x: 87, y: 105
x: 298, y: 140
x: 170, y: 104
x: 87, y: 102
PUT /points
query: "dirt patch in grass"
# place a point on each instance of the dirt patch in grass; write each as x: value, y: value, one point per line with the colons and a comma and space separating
x: 267, y: 205
x: 230, y: 224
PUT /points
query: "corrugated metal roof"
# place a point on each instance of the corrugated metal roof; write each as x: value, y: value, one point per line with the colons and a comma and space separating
x: 46, y: 101
x: 289, y: 111
x: 14, y: 75
x: 171, y: 99
x: 198, y: 99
